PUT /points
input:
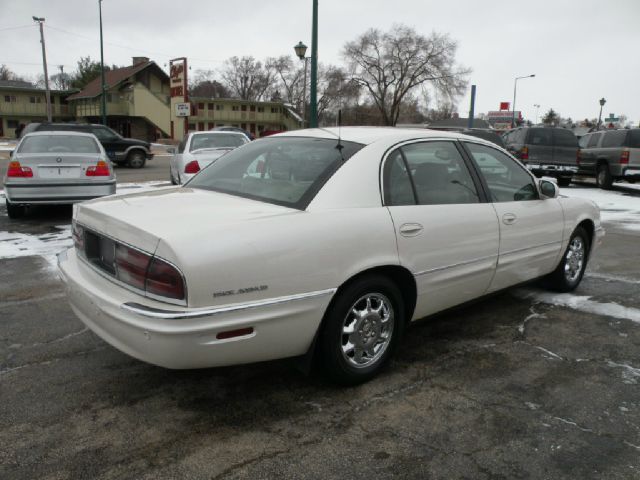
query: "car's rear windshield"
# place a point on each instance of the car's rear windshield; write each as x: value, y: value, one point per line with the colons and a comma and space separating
x: 287, y: 171
x: 633, y: 139
x: 58, y: 144
x: 216, y: 140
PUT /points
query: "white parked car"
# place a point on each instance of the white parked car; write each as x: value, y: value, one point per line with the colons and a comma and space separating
x: 318, y: 241
x: 198, y: 150
x: 56, y: 168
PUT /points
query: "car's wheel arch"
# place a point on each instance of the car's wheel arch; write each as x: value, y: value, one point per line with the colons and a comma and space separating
x: 398, y: 274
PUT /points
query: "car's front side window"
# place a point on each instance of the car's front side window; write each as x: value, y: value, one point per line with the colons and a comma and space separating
x: 433, y: 173
x: 506, y: 179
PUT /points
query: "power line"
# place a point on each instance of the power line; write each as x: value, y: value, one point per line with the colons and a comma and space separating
x: 16, y: 28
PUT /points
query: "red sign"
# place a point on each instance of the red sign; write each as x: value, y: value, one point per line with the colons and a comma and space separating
x: 504, y: 105
x: 178, y: 77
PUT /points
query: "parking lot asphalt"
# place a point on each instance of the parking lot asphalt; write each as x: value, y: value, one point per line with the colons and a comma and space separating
x: 524, y: 384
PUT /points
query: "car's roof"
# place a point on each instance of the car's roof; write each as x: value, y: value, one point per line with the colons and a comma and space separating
x: 218, y: 132
x: 65, y: 133
x: 369, y: 135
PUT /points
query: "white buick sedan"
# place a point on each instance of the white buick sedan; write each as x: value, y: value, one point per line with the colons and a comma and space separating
x: 323, y: 243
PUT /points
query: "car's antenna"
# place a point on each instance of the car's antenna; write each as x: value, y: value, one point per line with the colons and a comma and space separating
x: 339, y: 146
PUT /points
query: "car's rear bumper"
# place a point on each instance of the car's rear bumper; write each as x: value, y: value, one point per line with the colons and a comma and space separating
x: 57, y: 193
x: 552, y: 170
x: 632, y: 172
x: 182, y: 337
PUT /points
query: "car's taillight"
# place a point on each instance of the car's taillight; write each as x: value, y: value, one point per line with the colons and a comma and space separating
x: 16, y: 170
x: 578, y: 157
x: 524, y: 153
x: 101, y: 169
x: 77, y: 232
x: 192, y: 167
x: 131, y: 266
x: 624, y: 157
x: 164, y: 279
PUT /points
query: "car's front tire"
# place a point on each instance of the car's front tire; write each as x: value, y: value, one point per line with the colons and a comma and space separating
x: 361, y: 329
x: 14, y: 211
x: 136, y: 159
x: 568, y: 274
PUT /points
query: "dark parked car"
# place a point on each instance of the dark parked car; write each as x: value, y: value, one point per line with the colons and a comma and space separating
x: 546, y: 151
x: 610, y: 156
x: 121, y: 151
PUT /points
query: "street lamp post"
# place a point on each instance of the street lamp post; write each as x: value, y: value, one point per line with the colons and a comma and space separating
x: 313, y: 100
x: 602, y: 102
x: 301, y: 50
x: 103, y: 108
x: 40, y: 21
x: 537, y: 108
x: 515, y: 85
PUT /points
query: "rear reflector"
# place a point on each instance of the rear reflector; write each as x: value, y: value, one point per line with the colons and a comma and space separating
x: 624, y: 158
x: 524, y: 153
x: 241, y: 332
x: 192, y: 167
x: 164, y: 279
x: 15, y: 170
x: 101, y: 169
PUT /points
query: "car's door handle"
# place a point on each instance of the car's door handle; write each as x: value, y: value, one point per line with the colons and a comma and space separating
x: 509, y: 218
x: 410, y: 229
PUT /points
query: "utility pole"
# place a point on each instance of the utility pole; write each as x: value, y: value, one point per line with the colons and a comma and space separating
x: 313, y: 100
x: 40, y: 21
x: 102, y: 82
x: 472, y: 106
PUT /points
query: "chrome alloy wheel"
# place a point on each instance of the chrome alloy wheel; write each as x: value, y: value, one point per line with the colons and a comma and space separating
x: 574, y: 259
x: 367, y: 330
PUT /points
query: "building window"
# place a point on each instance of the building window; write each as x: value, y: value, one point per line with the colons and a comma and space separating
x: 35, y: 100
x: 10, y: 98
x: 274, y: 109
x: 260, y: 128
x: 201, y: 106
x: 192, y: 126
x: 211, y: 125
x: 252, y: 108
x: 219, y: 107
x: 243, y: 126
x: 201, y: 126
x: 12, y: 123
x: 244, y: 108
x: 235, y: 108
x: 209, y: 106
x: 260, y: 109
x: 109, y: 98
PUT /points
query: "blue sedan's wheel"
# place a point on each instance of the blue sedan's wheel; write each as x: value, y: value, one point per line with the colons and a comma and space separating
x: 361, y: 329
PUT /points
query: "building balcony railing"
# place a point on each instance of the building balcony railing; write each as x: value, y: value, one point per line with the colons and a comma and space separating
x: 235, y: 116
x: 20, y: 109
x: 94, y: 109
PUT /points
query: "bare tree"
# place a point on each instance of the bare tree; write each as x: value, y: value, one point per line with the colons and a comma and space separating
x: 60, y: 81
x: 247, y: 78
x: 204, y: 84
x: 7, y: 74
x: 391, y: 64
x: 335, y: 91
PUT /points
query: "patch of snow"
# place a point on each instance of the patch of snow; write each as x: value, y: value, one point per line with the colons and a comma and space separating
x: 630, y: 375
x: 532, y: 406
x: 615, y: 206
x: 582, y: 304
x: 612, y: 278
x: 47, y: 245
x: 549, y: 353
x: 569, y: 422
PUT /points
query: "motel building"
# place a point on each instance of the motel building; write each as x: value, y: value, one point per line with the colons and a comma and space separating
x: 138, y: 99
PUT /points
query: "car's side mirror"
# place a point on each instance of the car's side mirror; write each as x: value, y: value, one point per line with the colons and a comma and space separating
x: 548, y: 188
x: 11, y: 153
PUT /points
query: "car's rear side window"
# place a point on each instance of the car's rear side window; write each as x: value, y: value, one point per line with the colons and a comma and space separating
x: 615, y: 138
x: 58, y: 144
x: 593, y: 140
x: 633, y: 139
x: 564, y: 138
x: 540, y: 136
x: 287, y: 171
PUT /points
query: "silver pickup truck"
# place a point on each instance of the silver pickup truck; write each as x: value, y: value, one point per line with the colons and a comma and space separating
x: 610, y: 156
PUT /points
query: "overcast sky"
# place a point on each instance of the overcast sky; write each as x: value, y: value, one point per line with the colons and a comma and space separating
x: 580, y: 51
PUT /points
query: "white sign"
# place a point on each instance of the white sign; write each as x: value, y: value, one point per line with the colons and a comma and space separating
x: 183, y: 109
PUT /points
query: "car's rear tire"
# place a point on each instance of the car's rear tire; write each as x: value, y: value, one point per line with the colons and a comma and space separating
x: 361, y: 329
x: 569, y: 272
x: 604, y: 179
x: 136, y: 159
x: 14, y: 211
x: 173, y: 180
x: 564, y: 181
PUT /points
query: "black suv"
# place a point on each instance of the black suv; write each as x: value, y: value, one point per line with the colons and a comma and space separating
x: 121, y: 151
x: 547, y: 151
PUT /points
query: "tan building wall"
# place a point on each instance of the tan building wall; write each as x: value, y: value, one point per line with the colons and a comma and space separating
x: 23, y: 106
